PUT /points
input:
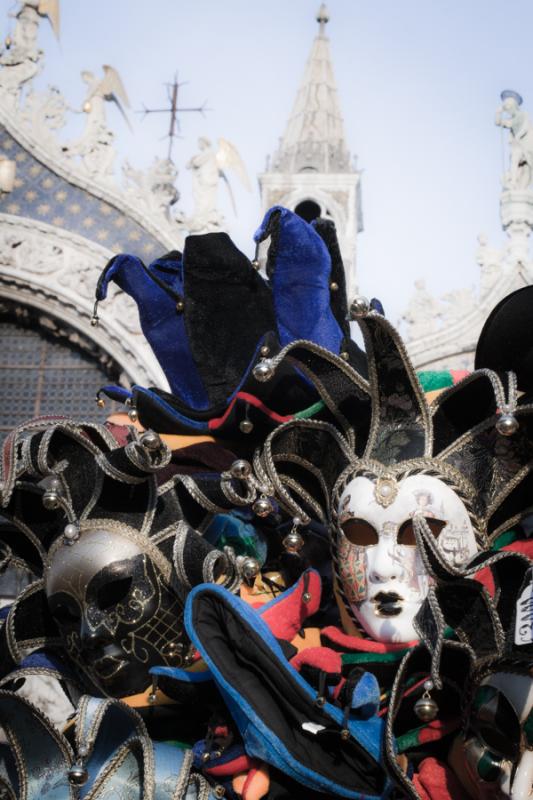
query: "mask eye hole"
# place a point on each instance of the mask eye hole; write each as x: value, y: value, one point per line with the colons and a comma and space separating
x: 113, y: 592
x: 360, y: 532
x: 406, y: 534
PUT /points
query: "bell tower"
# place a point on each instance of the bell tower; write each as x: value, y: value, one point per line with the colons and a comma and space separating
x: 312, y: 172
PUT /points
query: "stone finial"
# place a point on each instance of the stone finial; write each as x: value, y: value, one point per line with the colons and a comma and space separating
x: 322, y: 18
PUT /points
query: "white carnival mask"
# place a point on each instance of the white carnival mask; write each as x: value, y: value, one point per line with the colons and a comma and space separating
x: 380, y: 569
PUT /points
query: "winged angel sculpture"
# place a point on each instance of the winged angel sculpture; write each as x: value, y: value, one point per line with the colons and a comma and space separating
x: 208, y: 167
x: 21, y: 53
x: 94, y: 146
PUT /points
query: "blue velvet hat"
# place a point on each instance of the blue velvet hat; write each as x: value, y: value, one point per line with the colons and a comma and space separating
x: 209, y: 317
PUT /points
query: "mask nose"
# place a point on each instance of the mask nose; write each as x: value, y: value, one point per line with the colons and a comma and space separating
x: 92, y: 638
x: 382, y: 567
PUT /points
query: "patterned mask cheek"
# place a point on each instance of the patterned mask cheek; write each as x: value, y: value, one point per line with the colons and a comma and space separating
x: 353, y: 568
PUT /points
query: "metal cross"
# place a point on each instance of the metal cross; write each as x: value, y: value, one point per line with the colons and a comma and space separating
x: 173, y: 110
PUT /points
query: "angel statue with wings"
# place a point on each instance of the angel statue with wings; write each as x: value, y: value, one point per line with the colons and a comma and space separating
x: 208, y: 166
x: 94, y: 147
x: 22, y: 54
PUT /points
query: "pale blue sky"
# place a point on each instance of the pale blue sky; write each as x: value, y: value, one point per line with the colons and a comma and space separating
x: 419, y: 82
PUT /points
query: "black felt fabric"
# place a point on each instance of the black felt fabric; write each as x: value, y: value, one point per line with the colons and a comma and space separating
x: 227, y: 310
x: 31, y: 620
x: 253, y: 671
x: 466, y: 405
x: 506, y: 341
x: 195, y: 551
x: 339, y: 301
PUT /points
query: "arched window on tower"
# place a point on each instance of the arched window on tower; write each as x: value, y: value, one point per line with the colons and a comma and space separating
x: 308, y: 210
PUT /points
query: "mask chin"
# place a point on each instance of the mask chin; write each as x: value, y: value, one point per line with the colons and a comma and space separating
x: 396, y: 628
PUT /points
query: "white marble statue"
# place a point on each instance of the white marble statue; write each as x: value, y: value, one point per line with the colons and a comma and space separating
x: 208, y: 167
x: 154, y: 188
x: 489, y: 260
x: 95, y: 146
x: 460, y: 303
x: 423, y: 312
x: 510, y: 115
x: 21, y: 55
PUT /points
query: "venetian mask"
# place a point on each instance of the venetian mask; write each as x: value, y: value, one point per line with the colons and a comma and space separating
x: 499, y: 738
x: 381, y: 573
x: 115, y: 609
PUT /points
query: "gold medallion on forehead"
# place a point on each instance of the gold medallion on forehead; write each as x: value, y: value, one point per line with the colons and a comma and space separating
x: 385, y: 491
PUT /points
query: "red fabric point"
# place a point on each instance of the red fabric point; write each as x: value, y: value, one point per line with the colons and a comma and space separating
x: 459, y: 375
x: 286, y: 617
x: 319, y: 657
x: 240, y: 764
x: 436, y: 781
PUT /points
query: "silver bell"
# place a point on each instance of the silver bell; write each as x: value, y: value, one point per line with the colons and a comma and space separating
x: 249, y: 567
x: 359, y: 306
x: 426, y: 708
x: 77, y: 774
x: 246, y: 426
x: 241, y: 469
x: 52, y: 494
x: 132, y: 414
x: 293, y: 542
x: 263, y: 370
x: 262, y: 507
x: 151, y: 440
x: 507, y: 424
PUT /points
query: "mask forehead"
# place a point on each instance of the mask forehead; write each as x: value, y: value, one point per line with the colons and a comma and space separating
x: 72, y: 567
x: 380, y: 501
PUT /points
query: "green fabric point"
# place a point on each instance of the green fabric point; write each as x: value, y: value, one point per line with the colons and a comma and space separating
x: 504, y: 539
x: 311, y: 411
x: 382, y: 658
x: 410, y: 739
x: 431, y: 380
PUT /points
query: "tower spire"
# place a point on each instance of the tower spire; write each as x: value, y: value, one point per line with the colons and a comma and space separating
x: 314, y: 137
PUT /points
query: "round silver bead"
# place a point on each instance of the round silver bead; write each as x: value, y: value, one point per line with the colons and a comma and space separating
x: 240, y: 469
x: 262, y: 507
x: 54, y: 485
x: 265, y: 351
x: 507, y: 424
x: 359, y: 306
x: 263, y: 370
x: 77, y: 775
x: 345, y: 355
x: 94, y: 321
x: 151, y: 440
x: 132, y: 414
x: 428, y: 685
x: 426, y: 709
x: 255, y: 264
x: 334, y: 287
x: 249, y: 567
x: 71, y: 532
x: 293, y: 542
x: 245, y: 426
